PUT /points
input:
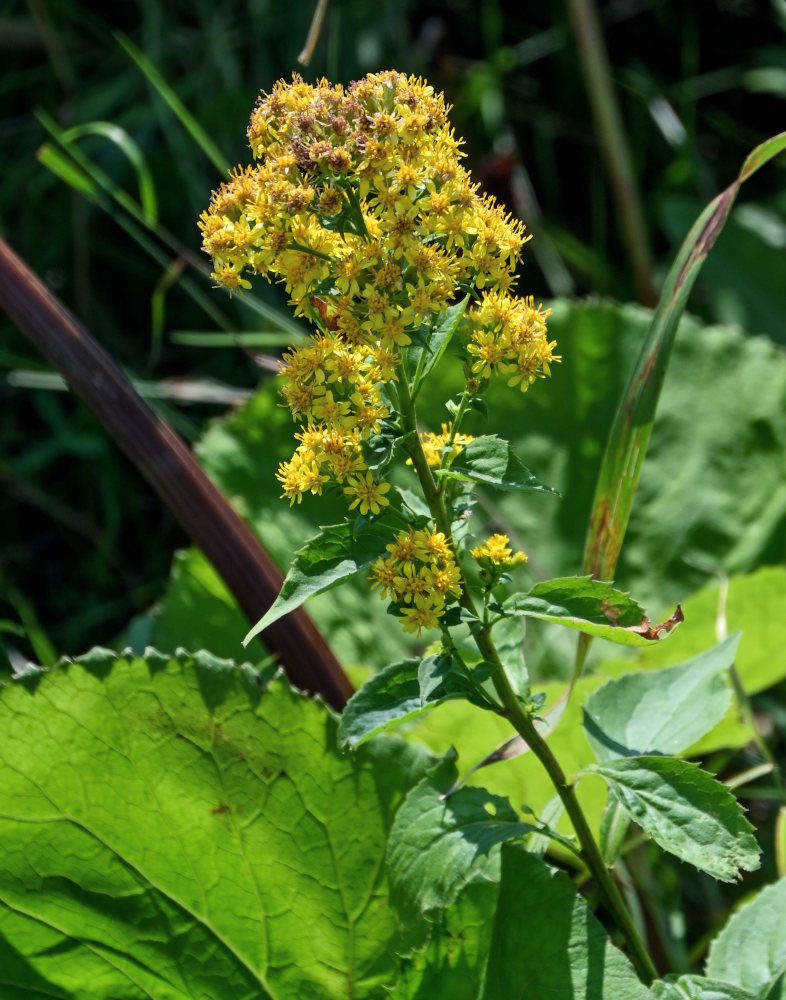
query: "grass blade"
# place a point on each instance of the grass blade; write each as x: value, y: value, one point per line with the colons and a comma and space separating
x: 148, y: 199
x: 181, y: 112
x: 629, y: 435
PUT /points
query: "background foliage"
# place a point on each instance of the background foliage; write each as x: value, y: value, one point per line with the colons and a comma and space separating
x: 87, y: 555
x: 84, y: 543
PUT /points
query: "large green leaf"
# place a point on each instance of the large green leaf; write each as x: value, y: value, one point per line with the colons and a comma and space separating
x: 750, y: 951
x: 402, y: 691
x: 547, y: 943
x: 439, y: 843
x: 654, y: 712
x: 178, y: 827
x: 337, y: 553
x: 686, y: 811
x: 589, y: 606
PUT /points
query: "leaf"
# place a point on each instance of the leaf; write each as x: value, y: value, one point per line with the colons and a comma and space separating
x: 509, y: 640
x: 698, y: 988
x: 438, y: 845
x: 401, y: 691
x: 546, y: 942
x: 614, y: 826
x: 179, y: 827
x: 686, y: 811
x: 453, y: 964
x: 579, y: 602
x: 654, y: 712
x: 336, y: 553
x: 750, y: 951
x: 490, y: 460
x: 436, y: 343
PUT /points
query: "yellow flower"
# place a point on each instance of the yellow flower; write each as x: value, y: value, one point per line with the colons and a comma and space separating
x: 384, y: 574
x: 368, y: 493
x: 424, y: 614
x: 432, y: 546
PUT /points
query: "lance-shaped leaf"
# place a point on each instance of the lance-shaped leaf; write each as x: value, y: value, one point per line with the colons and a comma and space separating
x: 547, y: 943
x: 698, y: 988
x: 686, y: 811
x: 490, y: 461
x: 629, y: 436
x: 424, y: 356
x: 402, y: 691
x: 335, y: 554
x: 180, y: 827
x: 439, y: 844
x: 654, y: 712
x: 579, y: 602
x: 750, y: 951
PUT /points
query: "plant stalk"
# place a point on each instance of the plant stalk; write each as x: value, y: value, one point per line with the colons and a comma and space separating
x: 517, y: 716
x: 614, y: 144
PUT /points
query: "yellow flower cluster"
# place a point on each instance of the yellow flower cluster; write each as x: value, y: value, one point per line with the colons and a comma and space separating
x: 434, y: 446
x: 359, y: 205
x: 420, y: 575
x: 359, y: 197
x: 496, y: 551
x: 509, y: 336
x: 333, y: 389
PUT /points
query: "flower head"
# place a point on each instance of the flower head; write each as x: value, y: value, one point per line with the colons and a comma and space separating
x: 496, y: 551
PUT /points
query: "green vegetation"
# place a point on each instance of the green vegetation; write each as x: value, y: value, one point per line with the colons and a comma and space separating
x: 537, y: 789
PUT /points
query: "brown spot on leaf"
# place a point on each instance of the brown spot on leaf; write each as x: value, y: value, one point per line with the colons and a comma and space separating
x: 650, y: 631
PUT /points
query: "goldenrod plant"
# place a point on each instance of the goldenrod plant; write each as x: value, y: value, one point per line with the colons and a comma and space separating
x: 359, y: 205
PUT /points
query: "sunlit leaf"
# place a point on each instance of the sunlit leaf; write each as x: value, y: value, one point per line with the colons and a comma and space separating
x: 686, y: 811
x: 338, y: 552
x: 750, y: 951
x: 654, y: 712
x: 439, y: 844
x: 179, y: 827
x: 547, y: 943
x: 579, y: 602
x: 402, y: 691
x: 490, y: 460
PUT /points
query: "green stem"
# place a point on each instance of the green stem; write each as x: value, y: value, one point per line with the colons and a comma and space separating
x: 518, y: 717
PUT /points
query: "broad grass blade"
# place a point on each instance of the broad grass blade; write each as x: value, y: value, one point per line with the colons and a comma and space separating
x: 630, y: 432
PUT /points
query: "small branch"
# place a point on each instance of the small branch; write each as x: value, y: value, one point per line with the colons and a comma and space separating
x: 313, y: 33
x: 169, y: 466
x: 613, y: 143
